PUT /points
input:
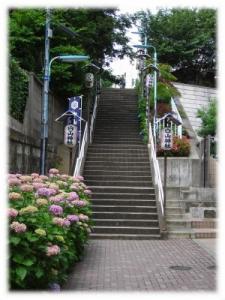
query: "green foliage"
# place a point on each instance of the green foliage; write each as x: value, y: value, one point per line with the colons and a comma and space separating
x: 185, y: 39
x: 18, y: 90
x: 142, y: 119
x: 97, y: 31
x: 209, y: 119
x: 32, y: 266
x: 181, y: 148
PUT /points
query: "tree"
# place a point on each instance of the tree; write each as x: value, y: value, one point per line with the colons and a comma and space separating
x: 96, y: 33
x: 209, y: 119
x: 185, y: 39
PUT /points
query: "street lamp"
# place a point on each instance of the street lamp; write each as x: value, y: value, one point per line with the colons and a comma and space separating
x: 44, y: 120
x: 155, y: 83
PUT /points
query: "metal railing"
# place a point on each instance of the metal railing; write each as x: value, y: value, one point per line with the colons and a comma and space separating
x: 93, y: 119
x: 87, y: 138
x: 81, y: 156
x: 156, y: 171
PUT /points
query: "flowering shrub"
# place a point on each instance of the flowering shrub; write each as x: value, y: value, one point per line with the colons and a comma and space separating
x: 181, y: 148
x: 49, y: 223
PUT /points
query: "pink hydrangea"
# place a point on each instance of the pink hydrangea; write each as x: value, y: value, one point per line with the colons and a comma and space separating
x: 34, y: 175
x: 66, y: 223
x: 74, y: 187
x: 56, y: 199
x: 13, y: 181
x: 64, y: 176
x: 39, y: 185
x: 72, y: 196
x: 58, y: 221
x: 26, y: 178
x: 12, y: 212
x: 18, y: 227
x: 15, y: 196
x: 26, y: 188
x: 43, y: 177
x: 53, y: 250
x: 53, y: 171
x: 56, y: 210
x: 83, y: 217
x: 37, y: 180
x: 87, y: 192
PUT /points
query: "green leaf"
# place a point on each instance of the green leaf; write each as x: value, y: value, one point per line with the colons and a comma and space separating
x: 28, y: 262
x: 18, y: 258
x: 15, y: 240
x: 21, y: 272
x: 39, y: 272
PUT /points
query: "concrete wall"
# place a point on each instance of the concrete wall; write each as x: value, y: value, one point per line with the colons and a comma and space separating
x: 24, y: 138
x: 192, y: 98
x: 181, y: 171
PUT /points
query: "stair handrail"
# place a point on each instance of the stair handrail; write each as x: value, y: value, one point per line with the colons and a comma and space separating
x: 93, y: 118
x: 156, y: 171
x: 81, y: 156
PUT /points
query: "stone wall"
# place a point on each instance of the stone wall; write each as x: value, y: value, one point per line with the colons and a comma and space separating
x: 181, y: 171
x: 24, y: 138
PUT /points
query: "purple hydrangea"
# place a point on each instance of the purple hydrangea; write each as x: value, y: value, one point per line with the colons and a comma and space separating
x: 46, y: 192
x: 55, y: 287
x: 56, y: 210
x: 72, y: 196
x: 73, y: 218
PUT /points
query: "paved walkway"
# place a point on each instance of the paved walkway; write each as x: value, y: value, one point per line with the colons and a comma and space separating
x: 126, y: 265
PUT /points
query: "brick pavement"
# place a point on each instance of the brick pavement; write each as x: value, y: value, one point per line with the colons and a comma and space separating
x: 126, y: 265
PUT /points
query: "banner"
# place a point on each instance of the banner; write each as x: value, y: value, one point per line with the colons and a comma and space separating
x: 75, y: 107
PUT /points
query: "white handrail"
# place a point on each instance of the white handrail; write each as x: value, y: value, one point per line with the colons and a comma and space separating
x: 81, y: 156
x: 174, y: 109
x: 93, y: 118
x: 157, y: 176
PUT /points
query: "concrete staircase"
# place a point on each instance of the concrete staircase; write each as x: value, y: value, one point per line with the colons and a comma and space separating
x: 181, y: 225
x: 117, y: 170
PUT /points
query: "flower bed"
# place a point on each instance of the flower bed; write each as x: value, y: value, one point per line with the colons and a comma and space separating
x: 49, y: 221
x: 181, y: 148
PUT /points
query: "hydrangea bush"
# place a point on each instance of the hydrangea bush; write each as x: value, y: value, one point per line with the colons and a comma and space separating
x: 49, y: 223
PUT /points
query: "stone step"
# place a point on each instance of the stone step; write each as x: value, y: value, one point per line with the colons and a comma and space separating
x: 127, y: 196
x: 125, y: 215
x: 175, y: 210
x: 192, y: 233
x: 131, y: 202
x: 124, y: 163
x: 108, y: 177
x: 174, y: 203
x: 122, y: 190
x: 117, y: 183
x: 116, y: 167
x: 118, y: 141
x: 172, y: 216
x: 117, y: 152
x: 125, y: 236
x: 115, y: 158
x: 125, y: 230
x: 123, y: 208
x: 177, y: 223
x: 120, y: 147
x: 92, y: 172
x: 126, y: 223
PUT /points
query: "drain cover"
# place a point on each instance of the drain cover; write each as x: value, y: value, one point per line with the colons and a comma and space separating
x: 213, y: 267
x: 180, y: 268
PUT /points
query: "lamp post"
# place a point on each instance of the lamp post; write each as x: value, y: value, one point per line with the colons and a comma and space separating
x: 155, y: 83
x: 44, y: 120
